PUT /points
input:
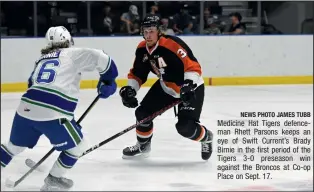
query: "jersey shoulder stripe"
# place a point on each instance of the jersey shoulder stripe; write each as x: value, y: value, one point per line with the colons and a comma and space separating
x: 177, y: 46
x: 142, y: 44
x: 182, y: 51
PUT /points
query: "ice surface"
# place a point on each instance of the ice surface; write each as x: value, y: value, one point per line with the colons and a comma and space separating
x: 175, y: 162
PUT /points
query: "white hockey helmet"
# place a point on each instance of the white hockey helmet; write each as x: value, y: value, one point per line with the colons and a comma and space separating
x: 58, y: 34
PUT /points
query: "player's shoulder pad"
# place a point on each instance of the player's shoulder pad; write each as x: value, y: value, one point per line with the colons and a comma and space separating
x: 169, y: 40
x: 172, y: 44
x: 74, y: 50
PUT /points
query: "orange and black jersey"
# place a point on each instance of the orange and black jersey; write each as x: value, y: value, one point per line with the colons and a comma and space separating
x: 171, y: 60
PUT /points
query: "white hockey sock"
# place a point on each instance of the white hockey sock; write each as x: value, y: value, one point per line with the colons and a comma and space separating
x: 67, y: 159
x: 57, y: 170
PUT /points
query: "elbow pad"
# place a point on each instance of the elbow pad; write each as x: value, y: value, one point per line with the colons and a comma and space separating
x: 111, y: 73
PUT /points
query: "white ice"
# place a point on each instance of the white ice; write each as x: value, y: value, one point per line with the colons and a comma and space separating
x: 175, y: 162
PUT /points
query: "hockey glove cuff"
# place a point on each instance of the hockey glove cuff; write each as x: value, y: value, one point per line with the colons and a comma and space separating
x: 106, y: 88
x: 128, y: 94
x: 187, y: 92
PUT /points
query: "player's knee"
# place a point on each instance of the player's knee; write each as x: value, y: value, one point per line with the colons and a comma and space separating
x: 141, y: 114
x: 13, y: 149
x: 185, y: 127
x: 78, y: 150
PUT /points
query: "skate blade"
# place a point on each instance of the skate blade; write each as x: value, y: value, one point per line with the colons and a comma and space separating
x: 206, y: 159
x: 141, y: 156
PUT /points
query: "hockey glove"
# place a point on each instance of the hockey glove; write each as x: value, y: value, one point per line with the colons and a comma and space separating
x: 128, y: 94
x: 187, y: 92
x: 106, y: 88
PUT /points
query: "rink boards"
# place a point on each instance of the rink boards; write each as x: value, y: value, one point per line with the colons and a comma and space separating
x: 225, y: 60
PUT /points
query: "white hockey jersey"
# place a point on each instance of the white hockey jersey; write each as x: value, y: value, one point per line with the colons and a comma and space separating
x: 56, y: 82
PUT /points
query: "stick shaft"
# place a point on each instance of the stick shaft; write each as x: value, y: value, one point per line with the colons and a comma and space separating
x: 130, y: 128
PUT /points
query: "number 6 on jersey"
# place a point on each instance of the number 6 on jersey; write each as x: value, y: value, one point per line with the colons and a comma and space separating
x: 46, y: 73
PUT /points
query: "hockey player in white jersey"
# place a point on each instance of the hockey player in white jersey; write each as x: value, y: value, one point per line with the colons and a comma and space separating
x: 47, y: 108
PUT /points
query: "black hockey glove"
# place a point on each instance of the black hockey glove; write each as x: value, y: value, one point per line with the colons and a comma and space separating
x: 187, y: 92
x: 128, y: 94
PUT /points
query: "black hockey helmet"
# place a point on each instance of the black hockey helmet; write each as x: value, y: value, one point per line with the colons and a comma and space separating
x: 151, y: 21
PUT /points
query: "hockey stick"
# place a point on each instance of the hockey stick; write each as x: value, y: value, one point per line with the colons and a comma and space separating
x: 131, y: 127
x: 175, y: 111
x: 14, y: 184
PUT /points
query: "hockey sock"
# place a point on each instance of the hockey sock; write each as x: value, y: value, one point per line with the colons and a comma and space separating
x: 144, y: 132
x: 8, y: 151
x: 65, y: 161
x: 6, y: 156
x: 201, y: 134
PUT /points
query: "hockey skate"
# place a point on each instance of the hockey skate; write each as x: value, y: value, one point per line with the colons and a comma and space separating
x: 137, y: 151
x: 207, y: 147
x: 56, y: 184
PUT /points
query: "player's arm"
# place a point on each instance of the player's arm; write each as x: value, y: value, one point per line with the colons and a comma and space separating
x: 30, y: 79
x: 108, y: 71
x: 91, y: 59
x: 186, y: 60
x: 137, y: 76
x: 88, y: 60
x: 192, y: 75
x: 192, y: 69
